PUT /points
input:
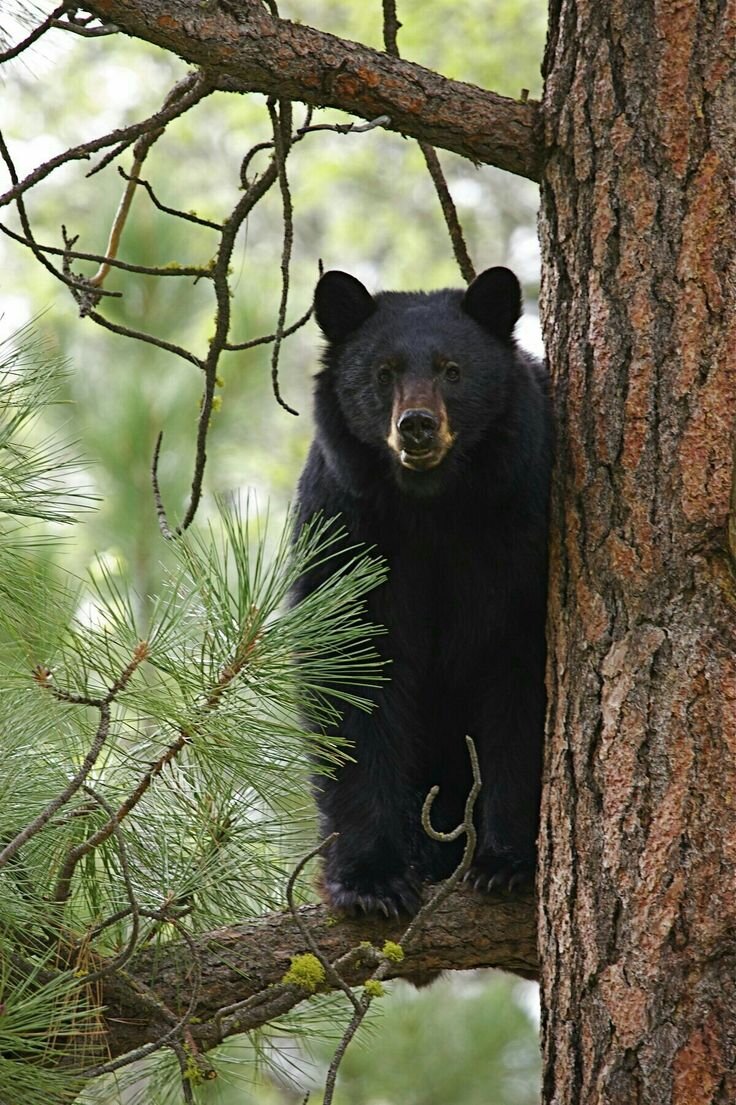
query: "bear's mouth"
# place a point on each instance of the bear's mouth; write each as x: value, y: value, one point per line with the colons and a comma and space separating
x: 421, y: 461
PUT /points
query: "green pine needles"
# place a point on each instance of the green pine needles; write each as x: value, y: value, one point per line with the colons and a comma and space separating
x: 154, y: 778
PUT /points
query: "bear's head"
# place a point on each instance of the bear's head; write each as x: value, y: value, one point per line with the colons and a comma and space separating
x: 422, y: 378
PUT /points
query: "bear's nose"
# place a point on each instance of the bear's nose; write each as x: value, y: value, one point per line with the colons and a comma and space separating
x: 417, y: 429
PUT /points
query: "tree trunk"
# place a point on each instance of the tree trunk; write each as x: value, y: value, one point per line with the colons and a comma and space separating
x: 638, y: 839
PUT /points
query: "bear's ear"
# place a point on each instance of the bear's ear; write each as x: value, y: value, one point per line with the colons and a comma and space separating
x: 341, y: 304
x: 494, y: 301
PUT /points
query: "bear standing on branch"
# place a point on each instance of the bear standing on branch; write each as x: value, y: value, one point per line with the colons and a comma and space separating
x: 433, y: 445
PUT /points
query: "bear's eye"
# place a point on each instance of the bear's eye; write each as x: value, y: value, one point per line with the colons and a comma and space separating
x: 384, y: 375
x: 452, y: 372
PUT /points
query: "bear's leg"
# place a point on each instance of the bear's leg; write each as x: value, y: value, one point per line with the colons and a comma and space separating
x: 370, y: 802
x: 509, y: 734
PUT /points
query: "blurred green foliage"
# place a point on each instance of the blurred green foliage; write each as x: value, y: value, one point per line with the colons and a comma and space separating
x: 362, y: 203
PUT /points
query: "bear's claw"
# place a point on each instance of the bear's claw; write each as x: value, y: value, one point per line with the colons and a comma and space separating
x: 499, y: 874
x: 391, y: 898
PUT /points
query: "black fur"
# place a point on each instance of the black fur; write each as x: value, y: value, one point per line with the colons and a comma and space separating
x: 464, y: 604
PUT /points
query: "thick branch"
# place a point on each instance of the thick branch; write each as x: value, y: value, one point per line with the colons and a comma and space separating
x: 468, y: 930
x: 242, y: 48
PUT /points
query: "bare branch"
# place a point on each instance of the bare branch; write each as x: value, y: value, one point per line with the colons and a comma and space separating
x: 72, y: 787
x: 235, y: 347
x: 346, y: 128
x: 281, y: 124
x: 249, y: 960
x: 140, y: 152
x: 186, y: 215
x: 253, y: 193
x: 197, y: 271
x: 141, y: 335
x: 197, y: 87
x: 79, y: 24
x: 449, y: 211
x: 71, y: 281
x: 243, y: 48
x: 391, y: 27
x: 41, y: 29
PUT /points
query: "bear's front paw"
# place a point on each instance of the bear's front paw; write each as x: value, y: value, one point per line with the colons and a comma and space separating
x: 504, y: 873
x: 389, y: 896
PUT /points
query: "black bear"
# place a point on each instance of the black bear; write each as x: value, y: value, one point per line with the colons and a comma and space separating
x: 433, y: 445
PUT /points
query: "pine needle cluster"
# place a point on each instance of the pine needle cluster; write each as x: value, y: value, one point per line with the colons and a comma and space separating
x: 154, y: 777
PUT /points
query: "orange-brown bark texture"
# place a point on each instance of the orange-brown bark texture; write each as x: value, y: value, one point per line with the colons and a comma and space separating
x: 638, y: 839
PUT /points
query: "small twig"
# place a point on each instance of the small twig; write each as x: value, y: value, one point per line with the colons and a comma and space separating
x: 355, y: 1022
x: 133, y: 909
x: 140, y: 335
x: 186, y: 215
x: 198, y: 87
x: 230, y: 230
x: 297, y: 136
x: 330, y: 970
x: 141, y: 652
x: 346, y: 128
x: 467, y: 827
x: 79, y: 27
x: 259, y: 1009
x: 140, y: 153
x: 109, y: 157
x: 72, y: 787
x: 118, y: 915
x: 86, y: 297
x: 118, y: 225
x: 73, y: 282
x: 163, y: 522
x: 41, y: 29
x: 449, y: 211
x: 391, y: 27
x: 176, y: 1029
x: 235, y: 347
x: 198, y: 271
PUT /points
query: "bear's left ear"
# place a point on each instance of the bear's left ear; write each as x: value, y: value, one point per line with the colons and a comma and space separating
x: 494, y: 301
x: 341, y: 304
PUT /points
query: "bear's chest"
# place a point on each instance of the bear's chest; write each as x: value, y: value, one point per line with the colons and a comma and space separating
x: 448, y: 593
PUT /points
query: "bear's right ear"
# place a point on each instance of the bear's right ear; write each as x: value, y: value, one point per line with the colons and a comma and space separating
x: 494, y: 301
x: 341, y: 304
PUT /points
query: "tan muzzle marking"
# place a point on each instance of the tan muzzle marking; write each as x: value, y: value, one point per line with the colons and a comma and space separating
x: 420, y: 395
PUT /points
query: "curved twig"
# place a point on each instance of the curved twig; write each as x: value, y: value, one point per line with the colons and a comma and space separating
x: 281, y: 123
x: 445, y: 888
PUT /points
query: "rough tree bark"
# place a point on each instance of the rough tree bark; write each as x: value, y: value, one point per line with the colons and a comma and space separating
x: 637, y: 903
